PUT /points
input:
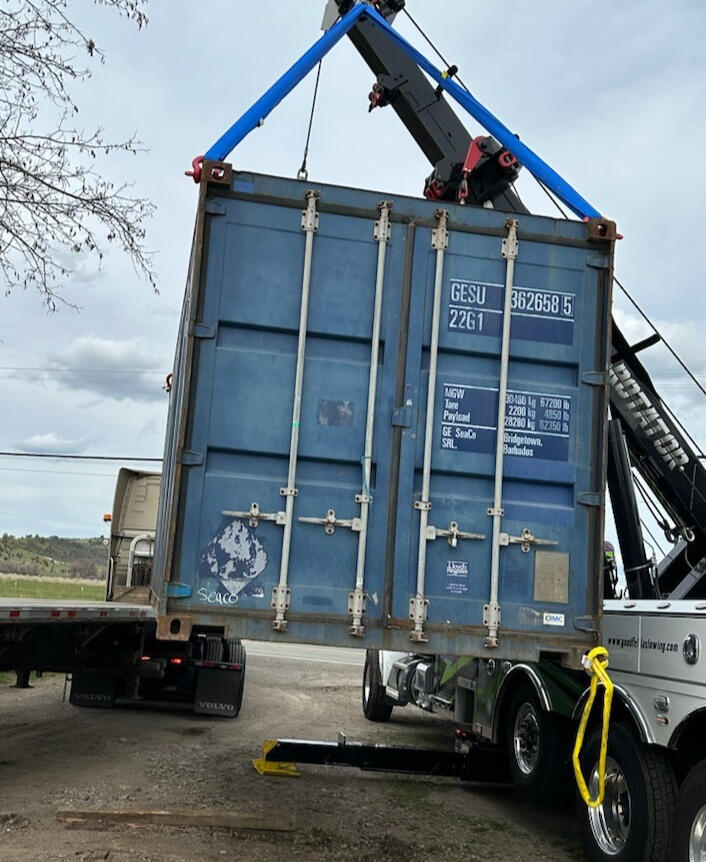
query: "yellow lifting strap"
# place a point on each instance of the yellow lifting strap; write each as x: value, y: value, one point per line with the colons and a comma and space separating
x: 595, y: 663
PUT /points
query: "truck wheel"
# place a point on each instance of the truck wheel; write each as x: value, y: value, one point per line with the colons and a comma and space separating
x: 690, y: 817
x: 376, y: 705
x: 538, y: 747
x: 634, y: 822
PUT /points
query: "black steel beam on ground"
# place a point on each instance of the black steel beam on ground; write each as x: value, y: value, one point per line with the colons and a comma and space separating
x: 482, y: 763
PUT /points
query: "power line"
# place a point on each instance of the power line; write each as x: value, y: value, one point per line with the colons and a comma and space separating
x: 662, y: 339
x: 75, y: 457
x: 23, y: 470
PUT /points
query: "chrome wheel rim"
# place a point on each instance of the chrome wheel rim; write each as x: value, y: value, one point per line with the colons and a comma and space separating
x: 697, y: 837
x: 525, y: 738
x: 610, y: 821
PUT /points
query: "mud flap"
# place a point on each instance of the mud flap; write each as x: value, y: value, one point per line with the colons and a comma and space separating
x: 93, y: 689
x: 218, y: 692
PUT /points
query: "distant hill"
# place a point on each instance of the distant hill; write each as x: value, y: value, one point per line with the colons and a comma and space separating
x: 52, y: 555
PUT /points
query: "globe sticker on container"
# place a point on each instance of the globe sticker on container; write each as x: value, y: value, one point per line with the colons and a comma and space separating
x: 457, y: 577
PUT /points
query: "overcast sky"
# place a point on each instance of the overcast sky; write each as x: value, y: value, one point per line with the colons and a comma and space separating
x: 610, y: 94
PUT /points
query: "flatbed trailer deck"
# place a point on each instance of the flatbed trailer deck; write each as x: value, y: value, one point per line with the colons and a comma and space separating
x: 16, y: 611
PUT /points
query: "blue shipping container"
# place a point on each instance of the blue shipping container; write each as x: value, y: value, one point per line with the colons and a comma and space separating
x: 305, y: 499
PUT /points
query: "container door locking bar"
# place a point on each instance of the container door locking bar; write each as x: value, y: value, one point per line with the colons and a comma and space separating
x: 453, y: 534
x: 525, y: 539
x: 331, y: 521
x: 254, y: 515
x: 419, y: 603
x: 491, y: 611
x: 281, y: 592
x: 356, y: 598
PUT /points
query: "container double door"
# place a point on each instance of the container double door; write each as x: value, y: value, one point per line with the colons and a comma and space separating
x: 251, y: 335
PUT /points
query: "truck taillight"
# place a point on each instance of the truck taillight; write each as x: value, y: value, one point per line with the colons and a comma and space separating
x: 176, y: 660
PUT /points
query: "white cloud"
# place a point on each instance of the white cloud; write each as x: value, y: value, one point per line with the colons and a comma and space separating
x: 121, y: 369
x: 52, y: 442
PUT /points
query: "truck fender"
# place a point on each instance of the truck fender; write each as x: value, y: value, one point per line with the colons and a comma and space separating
x: 624, y: 703
x: 511, y: 680
x: 693, y: 722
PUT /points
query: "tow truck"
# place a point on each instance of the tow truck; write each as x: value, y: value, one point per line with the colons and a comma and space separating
x: 654, y: 805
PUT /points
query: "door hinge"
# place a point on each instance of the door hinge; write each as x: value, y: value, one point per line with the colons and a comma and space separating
x: 594, y: 378
x: 586, y: 624
x: 190, y: 458
x: 590, y: 498
x: 202, y: 330
x: 213, y: 208
x: 598, y: 261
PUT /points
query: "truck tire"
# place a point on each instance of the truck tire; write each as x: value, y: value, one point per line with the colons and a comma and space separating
x: 690, y: 817
x: 376, y: 704
x: 213, y: 649
x: 634, y: 822
x: 537, y: 747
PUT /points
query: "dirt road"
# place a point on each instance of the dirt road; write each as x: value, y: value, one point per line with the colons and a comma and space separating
x: 53, y: 755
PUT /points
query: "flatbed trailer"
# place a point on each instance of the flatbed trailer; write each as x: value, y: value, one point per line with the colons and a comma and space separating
x: 115, y: 649
x: 112, y: 653
x: 20, y: 611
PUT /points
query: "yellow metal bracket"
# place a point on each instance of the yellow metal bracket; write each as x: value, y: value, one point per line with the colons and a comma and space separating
x: 263, y: 766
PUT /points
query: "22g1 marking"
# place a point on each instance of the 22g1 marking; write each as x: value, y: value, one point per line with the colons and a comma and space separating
x: 466, y: 319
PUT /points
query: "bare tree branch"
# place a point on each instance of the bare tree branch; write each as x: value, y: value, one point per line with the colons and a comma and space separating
x: 53, y: 198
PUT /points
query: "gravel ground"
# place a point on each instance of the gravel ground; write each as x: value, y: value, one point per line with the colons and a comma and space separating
x: 53, y: 755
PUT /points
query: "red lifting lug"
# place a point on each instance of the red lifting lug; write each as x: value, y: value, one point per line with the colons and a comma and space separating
x: 195, y: 172
x: 474, y: 155
x: 375, y: 96
x: 434, y: 190
x: 462, y: 193
x: 506, y: 160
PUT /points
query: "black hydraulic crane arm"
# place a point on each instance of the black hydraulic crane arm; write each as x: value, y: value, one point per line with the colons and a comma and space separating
x: 663, y: 455
x: 465, y: 169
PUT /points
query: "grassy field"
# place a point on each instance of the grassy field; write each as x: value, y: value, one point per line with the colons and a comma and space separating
x: 44, y: 588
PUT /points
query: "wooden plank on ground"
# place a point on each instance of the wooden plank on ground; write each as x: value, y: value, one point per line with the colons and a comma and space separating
x: 274, y: 821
